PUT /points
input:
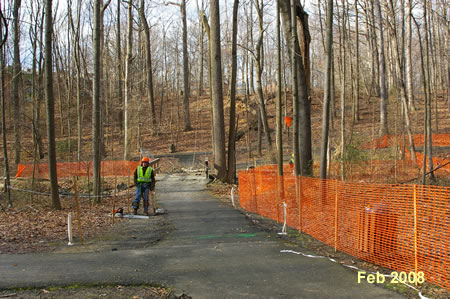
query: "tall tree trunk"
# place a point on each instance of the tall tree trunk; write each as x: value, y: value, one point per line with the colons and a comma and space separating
x: 356, y: 116
x: 96, y: 111
x: 427, y: 89
x: 35, y: 83
x: 343, y: 81
x: 295, y: 96
x: 217, y: 92
x: 304, y: 104
x: 409, y: 71
x: 77, y: 56
x: 383, y: 89
x: 40, y: 84
x: 401, y: 83
x: 103, y: 98
x: 59, y: 90
x: 3, y: 36
x: 327, y: 92
x: 119, y: 70
x: 279, y: 136
x: 208, y: 33
x: 15, y: 81
x: 259, y: 62
x: 251, y: 70
x: 56, y: 204
x: 231, y: 171
x: 426, y: 99
x: 187, y: 117
x: 148, y: 53
x: 260, y: 129
x: 201, y: 60
x: 128, y: 84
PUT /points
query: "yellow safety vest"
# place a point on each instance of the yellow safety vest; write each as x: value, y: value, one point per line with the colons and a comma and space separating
x: 144, y: 177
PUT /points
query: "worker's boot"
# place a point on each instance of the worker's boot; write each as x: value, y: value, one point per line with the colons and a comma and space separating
x: 135, y: 207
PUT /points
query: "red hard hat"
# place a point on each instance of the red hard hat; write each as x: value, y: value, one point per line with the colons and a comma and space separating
x: 145, y: 159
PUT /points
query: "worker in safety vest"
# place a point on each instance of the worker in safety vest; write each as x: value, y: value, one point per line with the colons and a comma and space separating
x: 292, y: 161
x: 144, y: 178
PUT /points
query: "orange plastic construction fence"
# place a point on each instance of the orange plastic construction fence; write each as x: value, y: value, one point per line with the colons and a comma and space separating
x: 439, y: 140
x: 400, y: 227
x: 69, y: 169
x: 418, y: 139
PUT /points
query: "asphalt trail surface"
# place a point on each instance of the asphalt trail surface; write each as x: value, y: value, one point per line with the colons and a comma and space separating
x: 214, y: 251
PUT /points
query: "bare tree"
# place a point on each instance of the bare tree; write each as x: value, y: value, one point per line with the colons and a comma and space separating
x: 128, y: 62
x: 208, y: 33
x: 187, y: 117
x: 401, y: 83
x: 302, y: 119
x: 77, y: 58
x: 119, y: 68
x: 279, y: 136
x: 231, y: 171
x: 148, y: 52
x: 50, y: 106
x: 258, y: 56
x: 327, y: 92
x: 427, y: 78
x: 186, y: 93
x: 217, y: 92
x: 96, y: 111
x: 16, y: 79
x: 4, y: 37
x: 409, y: 72
x: 201, y: 59
x: 382, y: 72
x: 343, y: 80
x: 34, y: 37
x: 356, y: 116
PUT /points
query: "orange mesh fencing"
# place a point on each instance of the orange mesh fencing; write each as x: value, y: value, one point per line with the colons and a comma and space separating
x: 388, y: 141
x: 400, y: 227
x: 439, y: 140
x: 69, y: 169
x: 437, y: 162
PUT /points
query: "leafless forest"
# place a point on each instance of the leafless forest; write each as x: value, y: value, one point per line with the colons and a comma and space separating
x: 103, y: 79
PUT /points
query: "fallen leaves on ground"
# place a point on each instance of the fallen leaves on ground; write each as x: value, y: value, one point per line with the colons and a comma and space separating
x: 37, y: 227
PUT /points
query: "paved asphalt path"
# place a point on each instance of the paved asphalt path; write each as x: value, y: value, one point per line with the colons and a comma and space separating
x: 214, y: 252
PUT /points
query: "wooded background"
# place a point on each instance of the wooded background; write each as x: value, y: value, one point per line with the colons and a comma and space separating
x: 94, y: 80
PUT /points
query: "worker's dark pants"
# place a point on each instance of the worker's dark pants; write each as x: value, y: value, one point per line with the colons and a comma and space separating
x: 142, y: 189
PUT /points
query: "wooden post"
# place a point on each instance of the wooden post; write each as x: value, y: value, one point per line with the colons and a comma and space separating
x: 153, y: 202
x: 415, y: 228
x: 128, y: 191
x: 77, y: 202
x: 114, y: 198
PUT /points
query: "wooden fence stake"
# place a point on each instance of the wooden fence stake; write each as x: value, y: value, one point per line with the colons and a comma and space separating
x: 128, y: 190
x: 114, y: 198
x: 415, y: 229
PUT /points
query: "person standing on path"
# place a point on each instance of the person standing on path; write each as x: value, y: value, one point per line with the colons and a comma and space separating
x: 144, y: 179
